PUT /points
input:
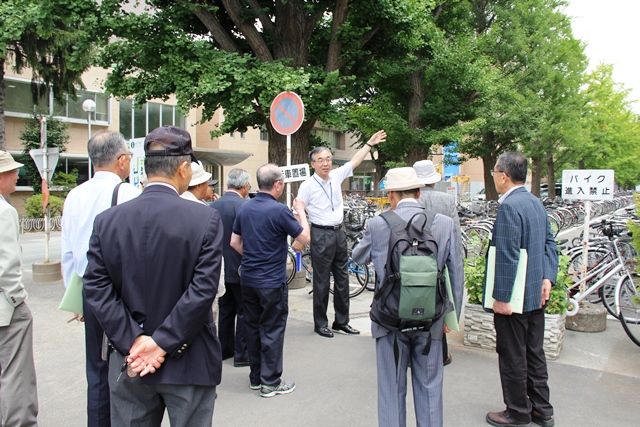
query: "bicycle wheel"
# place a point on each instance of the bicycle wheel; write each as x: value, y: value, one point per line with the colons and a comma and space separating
x: 291, y: 266
x: 629, y: 300
x: 358, y: 278
x: 306, y: 265
x: 361, y: 273
x: 608, y: 295
x: 373, y: 278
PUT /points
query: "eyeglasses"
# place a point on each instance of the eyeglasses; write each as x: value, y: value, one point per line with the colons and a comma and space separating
x: 324, y: 161
x: 493, y: 172
x: 130, y: 155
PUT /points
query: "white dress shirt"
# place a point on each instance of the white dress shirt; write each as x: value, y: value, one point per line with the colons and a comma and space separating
x: 81, y: 207
x: 324, y: 198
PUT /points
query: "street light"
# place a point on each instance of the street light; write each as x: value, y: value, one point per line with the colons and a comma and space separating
x: 89, y: 106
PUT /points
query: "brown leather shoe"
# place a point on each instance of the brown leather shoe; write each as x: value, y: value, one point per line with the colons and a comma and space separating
x: 541, y: 420
x: 503, y: 419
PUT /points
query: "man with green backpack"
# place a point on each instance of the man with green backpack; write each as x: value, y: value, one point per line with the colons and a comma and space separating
x: 418, y: 260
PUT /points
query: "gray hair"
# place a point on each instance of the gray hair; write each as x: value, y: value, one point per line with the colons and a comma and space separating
x: 238, y: 178
x: 105, y: 147
x: 267, y: 175
x: 514, y: 165
x: 165, y: 166
x: 312, y: 154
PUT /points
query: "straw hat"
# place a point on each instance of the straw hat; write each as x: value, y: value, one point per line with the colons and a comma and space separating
x: 7, y: 163
x: 400, y: 179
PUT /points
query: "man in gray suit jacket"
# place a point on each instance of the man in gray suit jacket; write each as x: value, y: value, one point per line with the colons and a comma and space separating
x: 18, y: 394
x: 427, y: 371
x: 522, y: 223
x: 438, y: 202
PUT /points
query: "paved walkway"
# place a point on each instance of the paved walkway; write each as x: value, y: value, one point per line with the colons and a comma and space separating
x: 595, y: 382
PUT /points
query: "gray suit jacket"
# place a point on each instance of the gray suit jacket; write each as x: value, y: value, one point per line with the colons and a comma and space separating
x: 13, y: 292
x: 439, y: 202
x: 374, y: 247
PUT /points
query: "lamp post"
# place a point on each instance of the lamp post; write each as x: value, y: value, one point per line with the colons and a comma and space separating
x: 89, y: 106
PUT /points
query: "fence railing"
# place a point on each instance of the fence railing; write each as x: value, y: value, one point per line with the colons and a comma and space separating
x: 29, y: 225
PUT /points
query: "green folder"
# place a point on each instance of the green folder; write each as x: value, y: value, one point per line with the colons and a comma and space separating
x: 72, y: 299
x: 517, y: 295
x: 451, y: 318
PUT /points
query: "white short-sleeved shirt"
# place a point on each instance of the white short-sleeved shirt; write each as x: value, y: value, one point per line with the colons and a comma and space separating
x: 81, y: 207
x: 324, y: 198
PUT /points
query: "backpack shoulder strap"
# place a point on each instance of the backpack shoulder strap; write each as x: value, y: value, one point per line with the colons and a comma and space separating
x: 392, y: 218
x: 430, y: 217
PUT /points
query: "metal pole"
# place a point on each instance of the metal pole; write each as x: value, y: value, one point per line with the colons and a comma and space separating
x: 89, y: 124
x: 45, y: 164
x: 289, y: 164
x: 585, y: 243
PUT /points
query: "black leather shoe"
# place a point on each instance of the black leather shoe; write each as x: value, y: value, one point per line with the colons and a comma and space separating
x: 541, y: 420
x: 504, y: 419
x: 324, y: 332
x: 240, y: 363
x: 448, y: 360
x: 345, y: 328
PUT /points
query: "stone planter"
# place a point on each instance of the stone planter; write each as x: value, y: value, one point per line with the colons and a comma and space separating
x: 479, y: 331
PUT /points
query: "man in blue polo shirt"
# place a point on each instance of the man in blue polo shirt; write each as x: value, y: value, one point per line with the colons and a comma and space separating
x: 260, y: 234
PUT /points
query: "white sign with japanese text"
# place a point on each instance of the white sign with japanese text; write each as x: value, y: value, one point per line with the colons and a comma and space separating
x: 295, y: 173
x: 588, y: 184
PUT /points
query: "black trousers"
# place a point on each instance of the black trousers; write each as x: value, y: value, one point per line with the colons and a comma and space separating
x: 523, y: 367
x: 329, y: 255
x: 231, y: 324
x: 266, y: 312
x: 98, y: 400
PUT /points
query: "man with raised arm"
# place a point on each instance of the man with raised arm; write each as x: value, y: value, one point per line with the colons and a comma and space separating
x: 321, y: 196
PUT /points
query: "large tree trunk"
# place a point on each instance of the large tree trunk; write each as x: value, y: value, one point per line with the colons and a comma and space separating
x: 551, y: 175
x: 536, y: 169
x: 415, y: 103
x: 3, y: 141
x: 489, y: 161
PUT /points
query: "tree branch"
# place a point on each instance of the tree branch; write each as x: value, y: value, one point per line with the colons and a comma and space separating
x: 335, y: 46
x: 264, y: 18
x: 254, y: 38
x: 210, y: 21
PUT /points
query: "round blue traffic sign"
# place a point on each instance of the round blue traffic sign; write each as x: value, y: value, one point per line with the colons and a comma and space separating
x: 287, y: 113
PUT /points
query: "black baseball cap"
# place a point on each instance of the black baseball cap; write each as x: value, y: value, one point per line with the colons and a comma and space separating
x: 176, y: 142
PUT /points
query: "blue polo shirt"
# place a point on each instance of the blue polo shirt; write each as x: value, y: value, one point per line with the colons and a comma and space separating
x: 264, y: 224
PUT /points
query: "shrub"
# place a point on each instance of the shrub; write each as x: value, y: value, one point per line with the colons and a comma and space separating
x: 33, y: 206
x: 474, y: 270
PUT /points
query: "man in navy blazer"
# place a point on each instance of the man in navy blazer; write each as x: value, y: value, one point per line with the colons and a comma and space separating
x: 154, y: 266
x: 521, y: 223
x: 231, y: 323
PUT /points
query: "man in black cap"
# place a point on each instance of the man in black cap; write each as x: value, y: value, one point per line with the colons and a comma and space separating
x: 154, y: 266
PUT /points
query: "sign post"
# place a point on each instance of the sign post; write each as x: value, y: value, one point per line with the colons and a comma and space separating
x: 287, y: 115
x: 587, y: 185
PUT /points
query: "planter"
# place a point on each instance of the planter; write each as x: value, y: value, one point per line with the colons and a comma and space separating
x: 479, y: 331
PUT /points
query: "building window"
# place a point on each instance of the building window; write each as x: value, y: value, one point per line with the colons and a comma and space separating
x: 137, y: 121
x: 264, y: 134
x: 361, y: 183
x: 232, y: 135
x: 330, y: 138
x: 19, y: 99
x: 241, y: 135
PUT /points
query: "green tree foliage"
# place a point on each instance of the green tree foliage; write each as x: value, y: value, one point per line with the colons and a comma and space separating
x: 614, y: 130
x: 237, y: 55
x: 57, y: 136
x: 49, y: 38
